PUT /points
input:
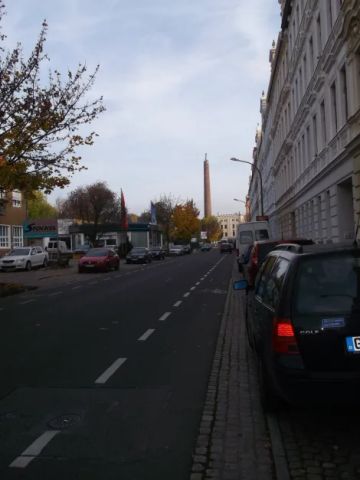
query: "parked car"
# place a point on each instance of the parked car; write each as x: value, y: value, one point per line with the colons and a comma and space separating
x: 99, y: 259
x: 82, y: 249
x: 303, y: 321
x: 59, y: 252
x: 205, y: 247
x: 176, y: 250
x: 226, y: 247
x: 157, y: 253
x: 24, y: 258
x: 187, y: 249
x: 249, y: 232
x: 138, y: 255
x: 257, y: 254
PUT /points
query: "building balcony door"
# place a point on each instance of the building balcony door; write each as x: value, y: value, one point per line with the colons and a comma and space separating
x: 345, y: 210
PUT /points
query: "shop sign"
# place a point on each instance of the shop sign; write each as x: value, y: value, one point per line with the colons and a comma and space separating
x: 40, y: 228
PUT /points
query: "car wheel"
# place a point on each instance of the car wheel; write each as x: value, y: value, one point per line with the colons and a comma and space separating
x: 28, y: 266
x: 118, y: 266
x: 80, y: 270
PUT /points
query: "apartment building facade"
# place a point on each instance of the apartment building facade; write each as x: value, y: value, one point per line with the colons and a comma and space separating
x: 12, y: 216
x: 228, y: 224
x: 308, y: 146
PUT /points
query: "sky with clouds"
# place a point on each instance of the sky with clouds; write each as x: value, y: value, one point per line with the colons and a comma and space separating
x: 179, y: 78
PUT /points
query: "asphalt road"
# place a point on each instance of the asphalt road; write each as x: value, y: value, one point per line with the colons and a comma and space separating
x: 106, y: 378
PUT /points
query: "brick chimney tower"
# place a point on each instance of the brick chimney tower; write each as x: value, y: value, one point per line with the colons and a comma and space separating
x: 207, y: 195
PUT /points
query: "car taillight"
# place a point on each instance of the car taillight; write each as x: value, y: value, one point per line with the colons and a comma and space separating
x: 284, y: 340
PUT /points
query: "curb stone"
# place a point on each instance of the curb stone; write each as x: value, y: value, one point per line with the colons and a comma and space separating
x: 237, y: 445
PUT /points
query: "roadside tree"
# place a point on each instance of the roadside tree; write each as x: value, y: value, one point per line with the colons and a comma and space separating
x: 186, y: 223
x: 93, y: 204
x: 39, y: 207
x: 211, y: 226
x: 41, y: 122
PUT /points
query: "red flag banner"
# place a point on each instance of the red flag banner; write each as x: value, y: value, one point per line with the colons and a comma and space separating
x: 123, y: 212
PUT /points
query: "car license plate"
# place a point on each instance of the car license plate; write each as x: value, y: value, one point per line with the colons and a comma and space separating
x: 353, y: 344
x: 89, y: 266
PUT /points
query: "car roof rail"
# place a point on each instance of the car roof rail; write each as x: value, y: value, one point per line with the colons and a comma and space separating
x: 290, y: 247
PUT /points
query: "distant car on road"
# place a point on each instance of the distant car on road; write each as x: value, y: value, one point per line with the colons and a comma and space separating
x: 138, y: 255
x: 303, y: 321
x: 176, y: 250
x: 187, y: 249
x: 99, y: 259
x: 157, y: 253
x: 205, y: 247
x: 24, y: 258
x: 226, y: 247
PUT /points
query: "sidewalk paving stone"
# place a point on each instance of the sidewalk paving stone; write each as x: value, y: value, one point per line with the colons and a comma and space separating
x: 238, y: 446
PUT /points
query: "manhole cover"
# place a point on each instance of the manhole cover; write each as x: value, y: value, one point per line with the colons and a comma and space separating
x: 64, y: 421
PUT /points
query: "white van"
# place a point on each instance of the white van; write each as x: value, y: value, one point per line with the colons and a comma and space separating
x: 249, y: 232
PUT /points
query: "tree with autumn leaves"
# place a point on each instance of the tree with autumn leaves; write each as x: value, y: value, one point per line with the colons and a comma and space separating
x: 211, y: 226
x: 186, y: 223
x: 40, y: 121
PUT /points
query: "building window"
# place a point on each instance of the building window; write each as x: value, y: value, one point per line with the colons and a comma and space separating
x: 315, y: 137
x: 17, y: 236
x: 334, y: 106
x: 308, y: 143
x: 328, y: 214
x: 4, y: 236
x: 323, y: 122
x: 330, y: 16
x: 344, y: 94
x: 303, y: 150
x: 312, y: 57
x: 305, y: 80
x: 16, y: 199
x: 319, y: 34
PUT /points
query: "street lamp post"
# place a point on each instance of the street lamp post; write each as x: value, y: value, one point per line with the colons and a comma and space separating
x: 261, y: 184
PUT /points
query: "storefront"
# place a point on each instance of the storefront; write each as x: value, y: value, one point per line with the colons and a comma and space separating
x: 41, y: 231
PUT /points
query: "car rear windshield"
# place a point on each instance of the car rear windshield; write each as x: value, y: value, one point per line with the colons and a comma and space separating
x: 19, y: 251
x: 328, y: 284
x: 261, y: 234
x: 246, y: 237
x: 97, y: 252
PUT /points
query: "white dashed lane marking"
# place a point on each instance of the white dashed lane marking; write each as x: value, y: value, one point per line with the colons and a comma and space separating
x: 146, y: 335
x: 186, y: 294
x: 178, y: 303
x: 54, y: 294
x: 164, y: 316
x: 77, y: 286
x: 34, y: 449
x: 104, y: 377
x: 192, y: 288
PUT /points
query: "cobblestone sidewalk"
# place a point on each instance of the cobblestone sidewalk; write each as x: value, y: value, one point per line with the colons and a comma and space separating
x: 233, y: 442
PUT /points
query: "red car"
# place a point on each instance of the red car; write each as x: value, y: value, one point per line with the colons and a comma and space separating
x: 101, y: 259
